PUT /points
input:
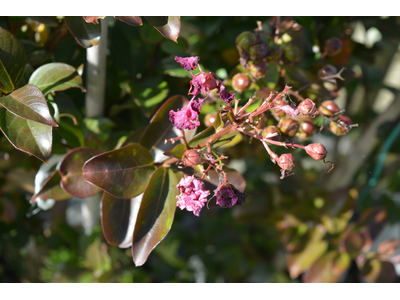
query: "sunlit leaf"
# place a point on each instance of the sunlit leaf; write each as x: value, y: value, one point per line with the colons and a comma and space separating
x: 86, y: 34
x: 26, y: 135
x: 29, y: 103
x: 70, y: 169
x: 322, y: 269
x: 12, y: 61
x: 177, y: 152
x: 51, y: 189
x: 169, y: 27
x: 56, y: 77
x: 123, y: 173
x: 133, y: 21
x: 155, y: 215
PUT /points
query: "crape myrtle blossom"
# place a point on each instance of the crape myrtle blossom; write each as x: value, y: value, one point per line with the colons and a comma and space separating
x: 202, y: 82
x: 193, y: 194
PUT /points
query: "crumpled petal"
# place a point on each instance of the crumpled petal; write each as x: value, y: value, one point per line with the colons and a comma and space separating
x: 193, y: 194
x: 189, y: 63
x: 226, y: 96
x: 186, y: 118
x: 229, y: 196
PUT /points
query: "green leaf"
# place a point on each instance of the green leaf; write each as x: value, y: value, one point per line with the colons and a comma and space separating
x: 97, y: 258
x: 133, y: 21
x: 156, y: 214
x: 161, y: 128
x: 201, y: 137
x: 12, y: 61
x: 28, y: 136
x: 29, y: 103
x: 56, y: 77
x: 118, y: 217
x: 70, y: 169
x: 379, y: 271
x: 123, y: 173
x: 51, y: 189
x: 169, y: 27
x: 218, y: 123
x: 86, y: 34
x: 177, y: 152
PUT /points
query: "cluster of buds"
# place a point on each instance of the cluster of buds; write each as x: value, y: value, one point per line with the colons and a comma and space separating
x: 295, y: 122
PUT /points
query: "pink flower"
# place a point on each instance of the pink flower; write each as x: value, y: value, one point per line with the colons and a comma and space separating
x: 228, y: 196
x: 226, y: 96
x: 189, y: 63
x: 186, y: 118
x: 203, y: 83
x: 193, y: 194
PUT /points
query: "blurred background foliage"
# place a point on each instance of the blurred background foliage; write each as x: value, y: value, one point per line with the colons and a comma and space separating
x: 309, y: 227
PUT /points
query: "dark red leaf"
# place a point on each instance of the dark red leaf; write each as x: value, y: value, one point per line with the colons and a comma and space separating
x: 86, y: 34
x: 169, y: 27
x: 133, y: 21
x: 51, y: 189
x: 94, y: 20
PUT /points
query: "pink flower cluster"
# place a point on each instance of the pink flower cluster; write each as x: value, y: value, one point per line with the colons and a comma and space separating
x: 186, y: 118
x: 193, y: 194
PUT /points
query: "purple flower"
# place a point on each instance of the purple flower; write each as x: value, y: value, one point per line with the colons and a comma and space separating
x: 229, y: 196
x: 226, y: 96
x: 186, y: 118
x: 193, y: 194
x: 203, y: 83
x: 189, y: 63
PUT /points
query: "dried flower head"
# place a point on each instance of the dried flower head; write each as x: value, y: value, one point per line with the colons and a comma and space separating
x: 228, y: 196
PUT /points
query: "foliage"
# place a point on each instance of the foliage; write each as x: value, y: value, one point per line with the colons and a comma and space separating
x: 281, y: 73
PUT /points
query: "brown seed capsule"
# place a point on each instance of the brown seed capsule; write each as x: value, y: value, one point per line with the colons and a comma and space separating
x: 307, y: 107
x: 241, y: 82
x: 271, y: 130
x: 328, y: 108
x: 316, y: 151
x: 191, y: 158
x: 286, y: 161
x: 289, y: 126
x: 333, y: 46
x: 306, y: 127
x: 340, y: 126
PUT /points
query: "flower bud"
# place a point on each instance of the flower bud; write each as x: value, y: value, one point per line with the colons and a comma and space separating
x: 316, y: 151
x: 209, y: 119
x: 289, y: 126
x: 258, y: 69
x: 333, y: 46
x: 270, y: 130
x: 328, y: 108
x: 306, y: 128
x: 286, y: 161
x: 244, y: 40
x: 340, y: 126
x: 307, y: 107
x: 191, y: 158
x: 241, y: 82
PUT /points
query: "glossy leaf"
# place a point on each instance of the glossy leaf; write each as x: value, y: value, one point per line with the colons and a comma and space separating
x: 26, y: 135
x: 12, y: 61
x: 29, y: 103
x: 70, y: 169
x: 133, y: 21
x: 313, y: 246
x: 161, y: 128
x: 51, y: 189
x: 156, y: 214
x: 118, y: 217
x: 169, y: 27
x: 123, y: 173
x: 56, y: 77
x: 94, y: 20
x: 86, y: 34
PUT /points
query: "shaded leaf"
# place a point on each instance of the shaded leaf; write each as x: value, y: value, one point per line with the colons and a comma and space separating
x: 29, y: 103
x: 51, y: 189
x: 86, y: 34
x: 118, y: 217
x: 161, y: 128
x: 201, y: 137
x: 373, y: 220
x: 97, y: 258
x: 56, y: 77
x: 12, y: 61
x: 169, y: 27
x: 155, y: 215
x: 70, y: 169
x: 28, y: 136
x: 379, y: 271
x: 133, y: 21
x: 313, y: 246
x: 94, y: 20
x: 123, y: 173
